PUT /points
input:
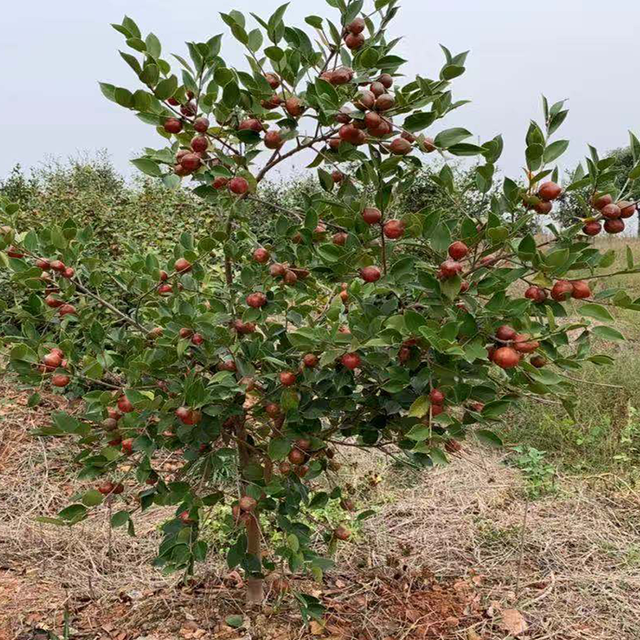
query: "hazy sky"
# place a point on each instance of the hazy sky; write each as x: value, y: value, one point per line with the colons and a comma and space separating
x: 586, y: 51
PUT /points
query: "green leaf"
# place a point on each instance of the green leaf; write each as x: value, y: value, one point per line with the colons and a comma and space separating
x: 147, y: 166
x: 607, y: 333
x: 119, y: 519
x: 596, y: 311
x: 235, y: 621
x: 420, y: 407
x: 489, y: 438
x: 419, y: 121
x: 279, y: 448
x: 555, y: 150
x: 166, y: 88
x: 92, y: 498
x: 449, y: 137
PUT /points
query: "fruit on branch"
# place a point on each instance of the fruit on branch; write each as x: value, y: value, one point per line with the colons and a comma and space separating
x: 340, y: 238
x: 538, y: 361
x: 543, y: 207
x: 371, y: 215
x: 334, y: 144
x: 523, y: 344
x: 370, y: 274
x: 199, y: 144
x: 67, y: 310
x: 505, y: 333
x: 356, y: 26
x: 386, y: 80
x: 261, y: 255
x: 404, y: 355
x: 201, y: 125
x: 449, y: 269
x: 127, y: 446
x: 277, y: 270
x: 310, y: 360
x: 601, y: 200
x: 436, y: 396
x: 251, y: 124
x: 296, y: 456
x: 365, y: 100
x: 43, y: 264
x: 227, y: 365
x: 294, y: 106
x: 506, y: 357
x: 535, y: 293
x: 165, y: 289
x: 52, y: 360
x: 611, y: 211
x: 354, y: 41
x: 592, y: 228
x: 124, y: 405
x: 60, y: 380
x: 351, y: 361
x: 287, y: 378
x: 627, y: 209
x: 244, y: 328
x: 394, y: 229
x: 105, y: 488
x: 561, y: 290
x: 272, y: 79
x: 458, y: 250
x: 58, y: 265
x: 549, y: 191
x: 182, y: 265
x: 341, y: 533
x: 373, y: 120
x: 220, y: 182
x: 351, y: 134
x: 272, y: 410
x: 290, y: 277
x: 273, y: 140
x: 238, y: 185
x: 341, y: 76
x: 247, y: 503
x: 272, y: 103
x: 429, y: 145
x: 191, y: 162
x: 197, y: 339
x: 377, y: 88
x: 385, y: 102
x: 172, y: 125
x: 614, y: 226
x: 400, y: 147
x: 52, y: 302
x: 581, y: 290
x: 337, y: 176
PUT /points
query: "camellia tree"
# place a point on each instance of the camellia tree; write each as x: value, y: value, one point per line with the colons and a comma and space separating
x: 255, y: 359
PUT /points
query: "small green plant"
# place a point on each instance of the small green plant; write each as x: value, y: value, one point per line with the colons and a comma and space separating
x: 538, y: 472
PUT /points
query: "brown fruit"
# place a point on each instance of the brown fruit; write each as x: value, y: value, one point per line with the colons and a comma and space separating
x: 378, y: 89
x: 60, y: 380
x: 549, y: 191
x: 356, y: 26
x: 247, y: 503
x: 581, y: 290
x: 296, y: 456
x: 536, y: 294
x: 199, y: 144
x: 272, y: 410
x: 400, y: 147
x: 370, y: 274
x: 341, y: 76
x: 538, y: 361
x: 67, y: 310
x: 340, y: 238
x: 354, y: 41
x: 611, y: 211
x: 277, y: 270
x: 371, y: 215
x: 250, y: 124
x: 272, y: 79
x: 182, y: 265
x: 614, y: 226
x: 450, y: 268
x: 386, y: 80
x: 337, y: 176
x: 428, y: 144
x: 201, y: 125
x: 342, y: 533
x: 310, y: 360
x: 393, y: 229
x: 385, y: 102
x: 505, y: 333
x: 287, y: 378
x: 365, y: 100
x: 592, y: 228
x: 523, y: 344
x: 273, y: 140
x: 373, y: 120
x: 436, y: 396
x: 173, y: 125
x: 599, y: 200
x: 562, y: 290
x: 294, y: 106
x: 543, y: 207
x: 627, y: 209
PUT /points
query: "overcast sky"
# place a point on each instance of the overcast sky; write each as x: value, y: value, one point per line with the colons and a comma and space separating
x: 585, y: 51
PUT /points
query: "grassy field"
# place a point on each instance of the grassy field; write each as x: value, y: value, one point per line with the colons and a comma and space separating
x: 540, y: 540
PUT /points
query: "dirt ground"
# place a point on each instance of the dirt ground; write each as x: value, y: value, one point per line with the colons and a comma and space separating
x: 457, y: 552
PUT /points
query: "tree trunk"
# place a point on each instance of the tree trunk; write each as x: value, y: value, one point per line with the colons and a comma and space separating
x: 255, y: 585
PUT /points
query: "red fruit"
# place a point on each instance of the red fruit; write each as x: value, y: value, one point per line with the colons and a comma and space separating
x: 342, y: 533
x: 256, y: 300
x: 58, y: 352
x: 450, y: 268
x: 105, y: 488
x: 404, y: 354
x: 337, y: 176
x: 353, y: 135
x: 201, y: 125
x: 310, y: 360
x: 272, y: 410
x: 341, y: 76
x: 365, y: 100
x: 124, y: 405
x: 386, y: 80
x: 183, y: 413
x: 370, y: 274
x: 68, y: 273
x: 536, y: 294
x: 251, y: 124
x: 458, y: 250
x: 197, y: 339
x: 57, y: 265
x: 277, y: 270
x: 549, y: 191
x: 261, y: 255
x: 173, y: 125
x: 611, y: 211
x: 477, y: 406
x: 272, y: 103
x: 394, y: 229
x: 191, y: 162
x: 344, y: 296
x: 118, y: 489
x: 244, y: 328
x: 506, y: 357
x: 562, y: 290
x: 505, y: 333
x: 384, y: 103
x: 356, y: 26
x: 614, y: 226
x: 182, y: 265
x: 598, y: 200
x: 294, y: 106
x: 220, y: 182
x: 400, y: 147
x: 273, y: 140
x: 238, y: 185
x: 351, y: 360
x: 378, y: 89
x: 52, y: 360
x: 290, y: 277
x: 340, y: 238
x: 627, y: 209
x: 373, y: 120
x: 592, y: 228
x: 272, y: 79
x: 371, y: 215
x: 354, y: 41
x: 52, y: 302
x: 543, y: 207
x: 67, y: 310
x: 60, y: 380
x: 164, y: 276
x: 287, y: 378
x: 523, y: 344
x: 13, y: 252
x: 334, y: 143
x: 296, y: 457
x: 199, y: 144
x: 408, y: 136
x: 428, y: 144
x: 43, y: 264
x: 581, y: 290
x: 247, y: 503
x: 127, y: 446
x: 165, y: 289
x: 436, y: 396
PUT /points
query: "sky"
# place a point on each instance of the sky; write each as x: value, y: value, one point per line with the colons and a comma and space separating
x: 585, y: 51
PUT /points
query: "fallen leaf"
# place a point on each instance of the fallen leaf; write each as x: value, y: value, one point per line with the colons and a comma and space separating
x: 316, y: 628
x: 513, y: 622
